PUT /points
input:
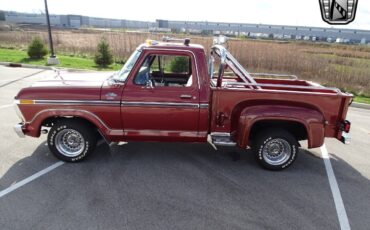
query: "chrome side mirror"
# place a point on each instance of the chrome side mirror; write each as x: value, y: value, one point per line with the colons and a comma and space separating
x: 149, y: 84
x: 115, y: 82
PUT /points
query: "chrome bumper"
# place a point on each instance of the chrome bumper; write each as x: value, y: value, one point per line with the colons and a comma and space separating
x: 18, y: 130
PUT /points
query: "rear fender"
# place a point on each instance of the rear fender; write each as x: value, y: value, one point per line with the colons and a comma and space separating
x: 311, y: 119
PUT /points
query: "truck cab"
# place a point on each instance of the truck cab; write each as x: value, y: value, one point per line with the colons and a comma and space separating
x: 166, y: 93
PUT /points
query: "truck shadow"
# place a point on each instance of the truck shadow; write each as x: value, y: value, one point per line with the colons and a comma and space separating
x: 138, y: 183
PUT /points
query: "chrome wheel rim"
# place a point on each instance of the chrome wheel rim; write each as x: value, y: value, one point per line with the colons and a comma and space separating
x: 276, y: 151
x: 69, y: 142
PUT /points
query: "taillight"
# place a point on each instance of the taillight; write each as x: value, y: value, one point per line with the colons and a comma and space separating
x: 346, y: 126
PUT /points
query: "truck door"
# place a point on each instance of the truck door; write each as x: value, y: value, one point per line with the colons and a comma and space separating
x: 161, y: 98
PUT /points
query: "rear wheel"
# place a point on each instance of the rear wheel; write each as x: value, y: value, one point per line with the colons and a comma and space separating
x: 276, y: 149
x: 71, y: 140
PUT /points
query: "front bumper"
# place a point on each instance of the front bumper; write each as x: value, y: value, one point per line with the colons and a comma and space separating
x: 18, y: 128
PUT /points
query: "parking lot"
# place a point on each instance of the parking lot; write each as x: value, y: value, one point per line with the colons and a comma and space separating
x: 175, y: 185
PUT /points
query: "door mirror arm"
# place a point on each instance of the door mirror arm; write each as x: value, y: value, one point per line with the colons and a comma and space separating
x: 149, y: 84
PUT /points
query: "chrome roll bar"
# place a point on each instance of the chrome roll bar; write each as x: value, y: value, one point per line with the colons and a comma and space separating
x: 274, y: 75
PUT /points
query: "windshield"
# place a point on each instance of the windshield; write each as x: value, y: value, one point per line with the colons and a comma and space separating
x: 123, y: 73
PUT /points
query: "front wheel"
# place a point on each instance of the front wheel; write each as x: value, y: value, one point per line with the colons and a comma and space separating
x: 71, y: 140
x: 276, y: 149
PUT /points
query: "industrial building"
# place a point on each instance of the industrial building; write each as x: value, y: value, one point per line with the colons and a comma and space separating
x: 198, y: 27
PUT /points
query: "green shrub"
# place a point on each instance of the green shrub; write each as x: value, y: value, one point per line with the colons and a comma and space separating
x: 180, y: 65
x: 37, y: 49
x: 104, y: 56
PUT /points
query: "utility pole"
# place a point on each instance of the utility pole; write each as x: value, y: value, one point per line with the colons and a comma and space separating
x: 52, y: 60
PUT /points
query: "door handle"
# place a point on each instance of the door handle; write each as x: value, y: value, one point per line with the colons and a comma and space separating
x: 185, y: 96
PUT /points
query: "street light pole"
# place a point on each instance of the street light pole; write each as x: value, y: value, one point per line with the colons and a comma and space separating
x: 52, y: 60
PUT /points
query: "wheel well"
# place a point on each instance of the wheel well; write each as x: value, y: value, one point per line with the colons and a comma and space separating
x: 295, y: 128
x: 49, y: 122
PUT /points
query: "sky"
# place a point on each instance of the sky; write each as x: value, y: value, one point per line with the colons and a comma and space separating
x: 278, y: 12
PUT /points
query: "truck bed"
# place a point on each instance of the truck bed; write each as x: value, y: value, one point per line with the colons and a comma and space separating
x: 279, y: 84
x: 330, y: 102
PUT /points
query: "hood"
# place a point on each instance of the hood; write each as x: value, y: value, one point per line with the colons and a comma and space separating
x: 67, y: 86
x: 94, y: 79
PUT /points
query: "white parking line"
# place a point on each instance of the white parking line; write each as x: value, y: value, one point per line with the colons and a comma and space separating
x: 364, y: 130
x: 29, y: 179
x: 19, y: 79
x: 6, y: 106
x: 341, y: 211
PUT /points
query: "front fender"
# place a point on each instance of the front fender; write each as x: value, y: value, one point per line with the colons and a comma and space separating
x: 32, y: 127
x: 311, y: 119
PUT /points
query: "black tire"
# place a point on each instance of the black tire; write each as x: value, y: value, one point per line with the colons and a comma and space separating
x: 276, y: 149
x: 71, y: 140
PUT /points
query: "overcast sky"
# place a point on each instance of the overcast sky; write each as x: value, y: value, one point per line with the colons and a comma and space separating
x: 282, y: 12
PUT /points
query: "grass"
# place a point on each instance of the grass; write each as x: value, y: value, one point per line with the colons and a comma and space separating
x: 346, y: 67
x: 20, y: 56
x: 362, y: 99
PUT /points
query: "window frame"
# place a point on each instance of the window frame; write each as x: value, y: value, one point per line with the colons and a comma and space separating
x: 168, y: 52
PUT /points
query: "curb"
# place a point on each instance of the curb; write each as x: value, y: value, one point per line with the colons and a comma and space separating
x: 11, y: 64
x: 360, y: 105
x: 20, y: 65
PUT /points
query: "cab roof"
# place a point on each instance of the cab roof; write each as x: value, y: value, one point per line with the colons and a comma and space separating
x: 172, y: 45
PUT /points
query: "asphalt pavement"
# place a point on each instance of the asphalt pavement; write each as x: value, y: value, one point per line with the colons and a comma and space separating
x: 175, y: 185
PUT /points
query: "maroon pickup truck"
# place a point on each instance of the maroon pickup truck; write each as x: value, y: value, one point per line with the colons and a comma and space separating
x: 169, y: 92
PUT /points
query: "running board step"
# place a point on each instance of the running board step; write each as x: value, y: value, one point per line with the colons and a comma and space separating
x: 222, y: 139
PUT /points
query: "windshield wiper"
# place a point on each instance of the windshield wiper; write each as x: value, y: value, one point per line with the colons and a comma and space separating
x: 114, y: 78
x: 117, y: 80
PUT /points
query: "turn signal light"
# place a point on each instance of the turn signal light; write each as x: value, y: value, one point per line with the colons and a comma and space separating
x: 346, y: 126
x: 150, y: 42
x: 26, y: 102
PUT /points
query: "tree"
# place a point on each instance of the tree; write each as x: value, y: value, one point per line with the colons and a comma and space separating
x: 37, y: 49
x: 104, y: 56
x: 180, y: 64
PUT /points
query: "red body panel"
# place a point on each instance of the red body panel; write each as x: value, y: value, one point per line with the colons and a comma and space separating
x: 142, y: 120
x: 312, y: 109
x: 125, y: 112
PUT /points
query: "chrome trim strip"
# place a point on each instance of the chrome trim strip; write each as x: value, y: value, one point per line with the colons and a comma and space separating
x: 77, y: 102
x: 282, y: 86
x: 117, y: 103
x: 204, y: 106
x: 224, y: 143
x: 220, y: 134
x: 159, y: 104
x: 161, y: 133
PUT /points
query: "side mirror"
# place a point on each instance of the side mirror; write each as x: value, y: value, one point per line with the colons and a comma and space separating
x: 149, y: 84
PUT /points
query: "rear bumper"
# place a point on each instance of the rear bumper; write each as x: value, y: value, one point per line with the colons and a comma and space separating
x: 345, y: 127
x: 18, y: 128
x: 346, y: 139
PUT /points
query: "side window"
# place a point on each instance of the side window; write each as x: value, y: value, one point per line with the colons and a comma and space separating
x: 165, y: 71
